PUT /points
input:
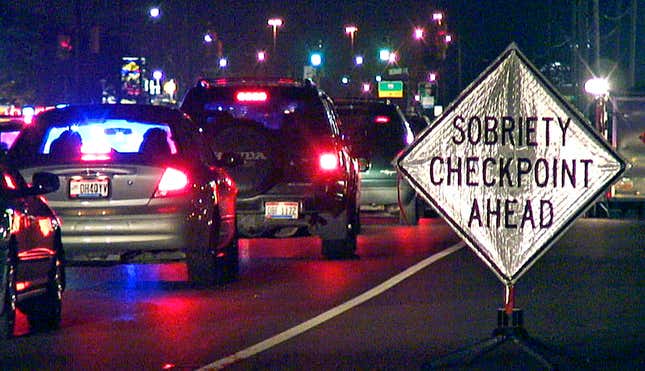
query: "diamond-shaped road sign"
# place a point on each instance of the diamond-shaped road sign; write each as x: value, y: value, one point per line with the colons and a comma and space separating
x: 510, y: 165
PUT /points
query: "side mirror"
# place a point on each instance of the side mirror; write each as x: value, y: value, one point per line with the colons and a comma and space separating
x: 363, y: 164
x: 42, y: 183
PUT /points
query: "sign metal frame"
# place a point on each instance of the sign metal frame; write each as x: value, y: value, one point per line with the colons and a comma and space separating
x: 554, y: 94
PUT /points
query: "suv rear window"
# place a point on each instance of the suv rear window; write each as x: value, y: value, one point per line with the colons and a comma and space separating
x: 286, y: 109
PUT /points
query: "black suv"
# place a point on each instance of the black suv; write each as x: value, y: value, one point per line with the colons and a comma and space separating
x: 377, y: 131
x: 297, y: 177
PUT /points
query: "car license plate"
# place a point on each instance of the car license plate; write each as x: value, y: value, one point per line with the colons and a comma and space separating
x: 281, y: 210
x: 89, y: 187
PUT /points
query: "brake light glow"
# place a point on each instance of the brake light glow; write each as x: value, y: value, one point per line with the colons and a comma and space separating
x: 95, y: 157
x: 172, y: 181
x: 381, y: 119
x: 8, y: 179
x: 328, y: 161
x: 251, y: 96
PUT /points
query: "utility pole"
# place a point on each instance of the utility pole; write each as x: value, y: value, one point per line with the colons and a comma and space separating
x: 596, y: 36
x: 575, y: 50
x: 76, y: 51
x: 632, y: 46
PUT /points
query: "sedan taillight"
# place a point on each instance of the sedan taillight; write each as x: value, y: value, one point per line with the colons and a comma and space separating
x: 172, y: 182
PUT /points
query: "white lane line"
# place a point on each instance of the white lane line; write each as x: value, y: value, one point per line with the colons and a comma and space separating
x: 326, y: 316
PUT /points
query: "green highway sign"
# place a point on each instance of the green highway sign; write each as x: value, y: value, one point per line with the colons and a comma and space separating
x: 390, y: 89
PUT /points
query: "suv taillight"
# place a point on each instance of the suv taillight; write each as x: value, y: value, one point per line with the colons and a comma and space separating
x: 328, y: 161
x: 172, y: 182
x: 251, y: 96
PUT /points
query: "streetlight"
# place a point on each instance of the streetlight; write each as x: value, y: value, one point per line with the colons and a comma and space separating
x: 392, y: 58
x: 384, y: 55
x: 418, y: 33
x: 351, y: 30
x: 598, y: 87
x: 262, y: 56
x: 275, y: 23
x: 208, y: 38
x: 316, y: 59
x: 437, y: 17
x: 154, y: 12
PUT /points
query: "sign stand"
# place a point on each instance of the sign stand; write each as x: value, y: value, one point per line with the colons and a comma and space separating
x: 510, y: 327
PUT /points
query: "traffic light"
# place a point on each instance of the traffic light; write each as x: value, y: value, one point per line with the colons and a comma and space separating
x: 316, y: 59
x: 64, y: 46
x: 384, y: 55
x: 438, y: 39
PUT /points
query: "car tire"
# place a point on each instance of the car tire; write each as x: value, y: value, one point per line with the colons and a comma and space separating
x: 8, y: 309
x: 411, y: 212
x: 339, y: 236
x: 229, y: 264
x: 205, y: 268
x: 44, y: 312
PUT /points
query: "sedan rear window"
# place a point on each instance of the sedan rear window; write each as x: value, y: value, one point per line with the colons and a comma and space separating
x: 117, y: 140
x: 120, y: 136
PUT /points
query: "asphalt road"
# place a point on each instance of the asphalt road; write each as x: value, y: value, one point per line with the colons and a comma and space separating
x: 583, y: 300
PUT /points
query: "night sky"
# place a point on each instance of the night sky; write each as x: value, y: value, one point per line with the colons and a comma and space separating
x: 482, y: 30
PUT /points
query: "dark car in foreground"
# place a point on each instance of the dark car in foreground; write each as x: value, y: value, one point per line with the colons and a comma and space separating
x: 298, y: 177
x: 32, y: 270
x: 136, y: 179
x: 378, y: 131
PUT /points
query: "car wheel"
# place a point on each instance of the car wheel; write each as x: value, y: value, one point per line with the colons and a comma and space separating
x: 44, y: 312
x: 339, y: 237
x: 411, y: 212
x: 8, y: 309
x: 206, y: 268
x: 229, y: 264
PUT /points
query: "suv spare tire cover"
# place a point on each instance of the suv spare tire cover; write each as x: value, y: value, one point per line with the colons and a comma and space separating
x: 258, y: 148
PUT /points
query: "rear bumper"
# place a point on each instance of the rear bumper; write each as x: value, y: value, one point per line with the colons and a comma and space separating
x: 381, y: 194
x: 116, y: 235
x: 313, y: 201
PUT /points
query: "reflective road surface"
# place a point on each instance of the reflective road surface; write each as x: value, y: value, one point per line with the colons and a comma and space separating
x: 291, y: 309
